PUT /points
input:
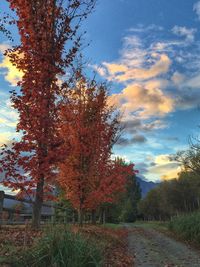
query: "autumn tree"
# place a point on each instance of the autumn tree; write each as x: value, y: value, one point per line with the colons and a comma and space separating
x: 113, y: 183
x: 89, y: 128
x: 124, y: 208
x: 49, y: 42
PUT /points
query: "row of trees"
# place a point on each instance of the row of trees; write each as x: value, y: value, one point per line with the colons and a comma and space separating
x: 89, y: 128
x: 67, y: 127
x: 124, y: 209
x: 172, y: 198
x: 181, y: 195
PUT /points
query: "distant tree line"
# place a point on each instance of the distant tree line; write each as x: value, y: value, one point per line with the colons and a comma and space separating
x: 177, y: 196
x: 126, y: 208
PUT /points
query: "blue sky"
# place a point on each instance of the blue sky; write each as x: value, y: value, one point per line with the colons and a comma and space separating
x: 149, y: 52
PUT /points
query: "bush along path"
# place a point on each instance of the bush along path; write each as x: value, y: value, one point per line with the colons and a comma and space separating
x: 155, y: 249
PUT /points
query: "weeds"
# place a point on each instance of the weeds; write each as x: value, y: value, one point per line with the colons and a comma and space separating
x: 187, y: 226
x: 61, y: 248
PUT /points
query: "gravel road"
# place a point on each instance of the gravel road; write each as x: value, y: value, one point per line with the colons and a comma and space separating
x: 154, y: 249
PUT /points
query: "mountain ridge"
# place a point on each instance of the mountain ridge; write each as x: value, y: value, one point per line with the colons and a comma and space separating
x: 146, y: 186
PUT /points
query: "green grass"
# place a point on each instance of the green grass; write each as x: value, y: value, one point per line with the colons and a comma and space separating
x: 187, y: 227
x: 2, y: 260
x: 150, y: 225
x: 61, y: 248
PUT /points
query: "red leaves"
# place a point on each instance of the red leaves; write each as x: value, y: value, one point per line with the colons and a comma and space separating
x: 88, y: 127
x: 85, y: 124
x: 44, y: 28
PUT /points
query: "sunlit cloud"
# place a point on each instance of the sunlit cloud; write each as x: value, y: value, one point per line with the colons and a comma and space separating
x: 163, y: 168
x: 122, y: 73
x: 11, y: 74
x: 136, y: 62
x: 155, y: 168
x: 7, y: 137
x: 143, y: 101
x: 141, y: 70
x: 8, y: 70
x: 153, y: 85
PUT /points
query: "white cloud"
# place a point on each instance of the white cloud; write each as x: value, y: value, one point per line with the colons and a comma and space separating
x: 196, y: 8
x: 194, y: 82
x: 8, y: 115
x: 141, y: 28
x: 178, y: 78
x: 185, y: 32
x: 100, y: 70
x: 3, y: 47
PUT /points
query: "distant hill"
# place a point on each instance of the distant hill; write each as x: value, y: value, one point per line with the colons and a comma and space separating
x: 146, y: 186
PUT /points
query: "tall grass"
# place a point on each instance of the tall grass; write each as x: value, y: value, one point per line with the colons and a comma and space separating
x: 187, y: 226
x: 62, y: 248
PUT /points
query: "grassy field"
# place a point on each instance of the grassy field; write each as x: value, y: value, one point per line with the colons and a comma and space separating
x: 187, y: 227
x: 151, y: 224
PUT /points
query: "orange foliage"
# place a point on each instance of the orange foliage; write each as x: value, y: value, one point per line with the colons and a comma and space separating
x: 89, y: 128
x: 45, y: 27
x: 48, y: 46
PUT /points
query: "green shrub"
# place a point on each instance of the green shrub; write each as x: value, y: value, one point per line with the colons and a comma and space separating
x: 61, y: 248
x: 187, y: 226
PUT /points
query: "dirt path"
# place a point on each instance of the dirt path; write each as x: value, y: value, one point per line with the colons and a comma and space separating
x: 155, y: 249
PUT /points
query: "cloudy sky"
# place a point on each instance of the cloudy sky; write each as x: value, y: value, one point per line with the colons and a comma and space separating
x: 149, y: 52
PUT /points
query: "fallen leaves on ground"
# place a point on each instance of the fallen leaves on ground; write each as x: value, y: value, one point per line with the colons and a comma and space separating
x: 16, y: 239
x: 115, y: 244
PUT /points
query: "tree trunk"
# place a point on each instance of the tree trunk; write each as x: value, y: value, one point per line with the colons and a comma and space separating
x: 73, y: 217
x: 37, y: 206
x: 101, y: 216
x: 80, y: 217
x: 65, y: 217
x: 93, y: 216
x: 104, y: 216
